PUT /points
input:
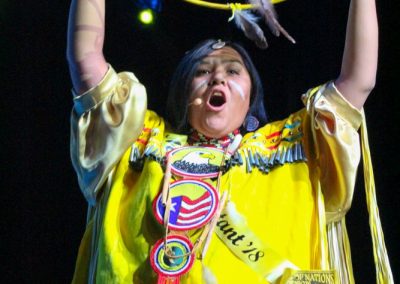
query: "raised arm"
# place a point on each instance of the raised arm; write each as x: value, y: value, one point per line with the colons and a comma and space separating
x: 360, y: 57
x: 85, y: 43
x: 106, y: 120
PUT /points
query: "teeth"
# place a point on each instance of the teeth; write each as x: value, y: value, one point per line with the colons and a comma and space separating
x: 217, y: 94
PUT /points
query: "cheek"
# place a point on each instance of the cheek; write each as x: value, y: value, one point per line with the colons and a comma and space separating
x: 193, y: 115
x: 242, y: 87
x: 236, y: 86
x: 197, y: 85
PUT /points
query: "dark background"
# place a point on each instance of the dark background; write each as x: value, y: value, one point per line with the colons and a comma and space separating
x: 44, y: 212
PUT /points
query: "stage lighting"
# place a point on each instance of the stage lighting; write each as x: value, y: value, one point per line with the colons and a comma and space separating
x: 146, y: 16
x: 154, y: 5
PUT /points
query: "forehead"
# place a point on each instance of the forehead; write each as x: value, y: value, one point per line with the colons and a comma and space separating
x: 225, y: 54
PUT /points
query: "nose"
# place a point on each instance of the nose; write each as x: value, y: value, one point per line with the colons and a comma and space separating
x: 217, y: 79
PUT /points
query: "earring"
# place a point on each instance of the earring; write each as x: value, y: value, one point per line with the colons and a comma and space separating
x: 251, y: 123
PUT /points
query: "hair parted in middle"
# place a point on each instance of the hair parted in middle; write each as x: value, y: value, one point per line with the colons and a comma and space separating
x: 180, y: 86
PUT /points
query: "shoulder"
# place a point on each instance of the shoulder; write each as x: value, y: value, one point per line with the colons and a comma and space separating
x: 288, y: 130
x: 274, y: 144
x: 155, y: 140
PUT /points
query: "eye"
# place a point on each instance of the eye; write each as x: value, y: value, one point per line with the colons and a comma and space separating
x: 233, y: 71
x: 202, y: 72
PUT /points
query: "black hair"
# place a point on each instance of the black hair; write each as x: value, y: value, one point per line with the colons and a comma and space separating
x: 179, y: 90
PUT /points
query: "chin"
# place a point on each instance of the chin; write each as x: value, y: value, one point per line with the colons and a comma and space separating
x: 217, y: 132
x: 216, y: 127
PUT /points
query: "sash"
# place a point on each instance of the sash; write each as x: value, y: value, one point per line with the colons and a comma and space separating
x: 233, y: 231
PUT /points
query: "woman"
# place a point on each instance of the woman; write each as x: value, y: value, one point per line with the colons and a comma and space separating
x: 267, y: 207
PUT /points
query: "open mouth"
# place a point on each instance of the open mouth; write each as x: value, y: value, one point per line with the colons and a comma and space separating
x: 217, y: 99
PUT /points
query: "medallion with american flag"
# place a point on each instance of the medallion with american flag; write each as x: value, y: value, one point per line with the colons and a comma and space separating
x: 193, y: 203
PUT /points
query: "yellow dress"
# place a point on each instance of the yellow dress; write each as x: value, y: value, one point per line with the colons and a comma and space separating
x: 288, y: 181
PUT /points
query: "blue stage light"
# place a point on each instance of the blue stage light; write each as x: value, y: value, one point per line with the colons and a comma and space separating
x: 154, y: 5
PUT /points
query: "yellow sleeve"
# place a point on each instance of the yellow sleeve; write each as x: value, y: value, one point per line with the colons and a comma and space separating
x: 105, y: 121
x: 334, y: 125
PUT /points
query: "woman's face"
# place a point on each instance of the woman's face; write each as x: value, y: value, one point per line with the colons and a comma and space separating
x: 220, y: 93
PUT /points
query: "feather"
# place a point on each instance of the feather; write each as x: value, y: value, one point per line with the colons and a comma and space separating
x: 262, y: 7
x: 266, y: 10
x: 235, y: 216
x: 247, y: 22
x: 208, y: 276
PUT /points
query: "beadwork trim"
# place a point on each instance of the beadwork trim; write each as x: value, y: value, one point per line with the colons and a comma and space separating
x: 251, y: 156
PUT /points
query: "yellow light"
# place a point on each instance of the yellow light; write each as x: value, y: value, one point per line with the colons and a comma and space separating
x: 146, y: 16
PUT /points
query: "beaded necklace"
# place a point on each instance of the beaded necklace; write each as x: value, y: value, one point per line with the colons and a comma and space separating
x: 198, y: 139
x: 173, y: 255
